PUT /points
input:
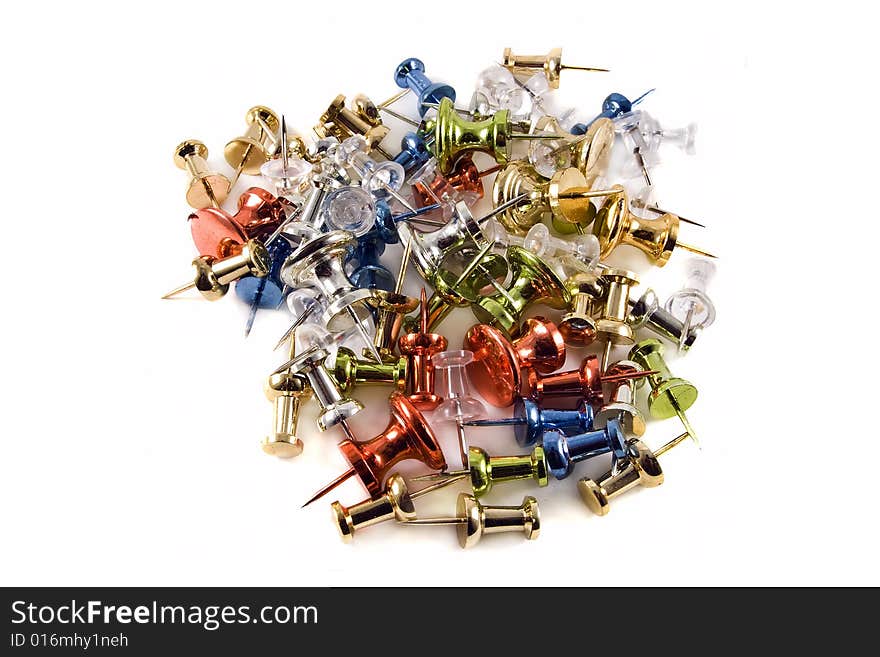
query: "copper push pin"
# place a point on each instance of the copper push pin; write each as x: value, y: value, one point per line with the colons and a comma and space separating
x: 418, y: 348
x: 474, y: 519
x: 583, y: 384
x: 639, y: 468
x: 247, y: 153
x: 395, y: 503
x: 615, y: 224
x: 215, y: 231
x: 550, y: 64
x: 213, y: 275
x: 206, y: 187
x: 407, y: 436
x: 496, y: 369
x: 670, y: 395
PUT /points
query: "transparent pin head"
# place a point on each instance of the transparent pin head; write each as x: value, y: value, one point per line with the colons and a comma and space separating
x: 683, y: 138
x: 494, y: 231
x: 452, y: 384
x: 692, y: 300
x: 629, y: 128
x: 301, y: 300
x: 549, y: 156
x: 480, y: 106
x: 349, y: 208
x: 584, y: 248
x: 287, y: 181
x: 493, y: 80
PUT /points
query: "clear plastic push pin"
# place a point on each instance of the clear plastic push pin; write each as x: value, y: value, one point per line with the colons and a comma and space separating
x: 349, y: 208
x: 655, y: 135
x: 628, y: 127
x: 458, y: 404
x: 286, y: 174
x: 691, y: 305
x: 380, y: 178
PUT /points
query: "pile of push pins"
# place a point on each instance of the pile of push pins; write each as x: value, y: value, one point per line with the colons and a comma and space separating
x: 311, y: 241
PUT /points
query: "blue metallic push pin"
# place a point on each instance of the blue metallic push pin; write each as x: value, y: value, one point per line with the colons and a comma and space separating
x: 411, y: 73
x: 413, y: 153
x: 614, y: 106
x: 385, y: 223
x: 266, y: 292
x: 563, y: 451
x: 371, y: 274
x: 530, y: 421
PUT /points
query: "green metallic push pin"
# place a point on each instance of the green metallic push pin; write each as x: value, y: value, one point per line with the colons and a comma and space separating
x: 670, y: 395
x: 532, y: 281
x: 349, y: 371
x: 486, y: 471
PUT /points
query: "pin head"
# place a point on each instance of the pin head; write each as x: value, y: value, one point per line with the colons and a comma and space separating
x: 494, y: 370
x: 259, y: 213
x: 213, y: 231
x: 405, y: 68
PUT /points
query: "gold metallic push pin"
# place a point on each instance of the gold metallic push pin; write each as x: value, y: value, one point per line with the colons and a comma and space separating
x: 640, y: 468
x: 621, y: 401
x: 532, y: 281
x: 670, y: 395
x: 396, y: 503
x: 550, y: 64
x: 612, y: 327
x: 475, y: 519
x: 340, y: 122
x: 485, y: 471
x: 247, y: 153
x: 286, y: 391
x: 589, y: 153
x: 206, y: 187
x: 565, y: 197
x: 577, y: 326
x: 615, y: 224
x: 214, y: 275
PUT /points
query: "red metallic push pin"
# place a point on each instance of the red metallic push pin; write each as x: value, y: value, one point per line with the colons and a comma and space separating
x: 418, y: 348
x: 214, y: 230
x: 584, y: 383
x: 407, y: 436
x: 497, y: 368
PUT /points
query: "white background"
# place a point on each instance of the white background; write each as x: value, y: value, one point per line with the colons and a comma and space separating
x: 131, y: 426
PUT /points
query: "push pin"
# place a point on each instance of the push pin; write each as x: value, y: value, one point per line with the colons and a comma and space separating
x: 655, y: 135
x: 496, y: 370
x: 370, y: 273
x: 378, y: 177
x: 564, y: 451
x: 458, y: 404
x: 319, y: 262
x: 463, y: 183
x: 550, y: 64
x: 215, y: 232
x: 485, y: 471
x: 615, y: 224
x: 413, y: 153
x: 581, y: 384
x: 407, y: 436
x: 265, y: 291
x: 340, y: 122
x: 475, y: 519
x: 214, y: 275
x: 395, y: 503
x: 390, y: 315
x: 206, y: 187
x: 350, y: 371
x: 621, y: 401
x: 288, y: 174
x: 691, y: 305
x: 612, y: 327
x: 349, y: 208
x: 454, y: 136
x: 614, y: 106
x: 530, y: 421
x: 419, y: 349
x: 628, y: 127
x: 246, y: 154
x: 335, y: 408
x: 410, y: 74
x: 577, y: 326
x: 532, y: 281
x: 646, y: 312
x: 565, y: 197
x: 639, y: 468
x: 670, y: 395
x: 286, y: 391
